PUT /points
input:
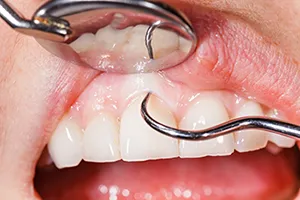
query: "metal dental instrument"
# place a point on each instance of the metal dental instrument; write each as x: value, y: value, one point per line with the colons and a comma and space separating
x: 58, y: 23
x: 261, y: 123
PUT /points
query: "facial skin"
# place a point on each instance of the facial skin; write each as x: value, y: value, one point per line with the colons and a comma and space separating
x: 37, y: 88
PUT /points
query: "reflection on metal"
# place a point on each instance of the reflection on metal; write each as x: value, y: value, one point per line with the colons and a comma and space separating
x: 63, y: 21
x: 243, y: 123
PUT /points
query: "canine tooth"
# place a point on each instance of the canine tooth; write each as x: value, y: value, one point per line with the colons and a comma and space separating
x: 249, y: 140
x: 163, y: 42
x: 110, y: 38
x: 65, y: 144
x: 279, y: 140
x: 140, y: 142
x: 84, y: 42
x: 206, y: 112
x: 101, y: 139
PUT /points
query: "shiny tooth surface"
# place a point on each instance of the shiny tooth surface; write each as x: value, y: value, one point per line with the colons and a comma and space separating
x: 101, y: 139
x: 110, y: 38
x: 203, y: 113
x: 250, y: 140
x: 84, y: 42
x: 279, y: 140
x: 184, y: 45
x: 163, y: 42
x: 65, y: 146
x: 138, y: 141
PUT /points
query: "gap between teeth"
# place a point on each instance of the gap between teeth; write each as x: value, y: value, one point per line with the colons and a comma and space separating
x: 109, y: 138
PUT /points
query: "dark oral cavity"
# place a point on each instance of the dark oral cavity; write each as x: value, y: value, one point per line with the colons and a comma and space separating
x: 257, y: 175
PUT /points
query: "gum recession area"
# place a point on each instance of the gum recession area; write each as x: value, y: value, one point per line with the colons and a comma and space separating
x: 257, y: 175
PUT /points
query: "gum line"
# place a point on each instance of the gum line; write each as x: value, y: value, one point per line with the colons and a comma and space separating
x: 114, y: 92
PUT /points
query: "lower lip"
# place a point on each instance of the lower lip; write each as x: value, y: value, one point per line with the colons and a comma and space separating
x: 255, y: 175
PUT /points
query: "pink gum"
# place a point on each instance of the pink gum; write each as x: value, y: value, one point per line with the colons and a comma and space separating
x: 114, y: 92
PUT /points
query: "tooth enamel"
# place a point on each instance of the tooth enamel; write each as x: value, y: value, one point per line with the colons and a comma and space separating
x: 279, y: 140
x: 249, y: 140
x: 65, y: 144
x: 101, y: 139
x: 184, y: 45
x: 110, y: 38
x: 204, y: 113
x: 83, y: 43
x: 138, y: 141
x: 163, y: 42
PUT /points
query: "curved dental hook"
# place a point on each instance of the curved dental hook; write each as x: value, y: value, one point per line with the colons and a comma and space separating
x: 149, y: 37
x: 261, y: 123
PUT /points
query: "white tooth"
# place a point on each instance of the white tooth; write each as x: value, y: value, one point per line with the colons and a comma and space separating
x: 84, y: 42
x: 184, y: 45
x: 101, y: 139
x: 204, y: 113
x: 136, y: 43
x: 140, y: 142
x: 163, y: 42
x: 110, y: 38
x: 250, y: 140
x: 65, y: 144
x: 279, y: 140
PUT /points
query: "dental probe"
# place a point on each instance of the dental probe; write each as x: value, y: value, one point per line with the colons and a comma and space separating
x: 238, y: 124
x: 58, y: 23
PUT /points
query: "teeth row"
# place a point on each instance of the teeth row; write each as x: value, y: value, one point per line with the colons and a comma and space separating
x: 131, y: 42
x: 105, y: 139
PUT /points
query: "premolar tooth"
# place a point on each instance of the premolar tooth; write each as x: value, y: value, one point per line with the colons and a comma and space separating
x: 250, y: 140
x: 84, y: 42
x: 140, y: 142
x: 206, y: 112
x: 163, y: 42
x: 279, y: 140
x: 101, y: 139
x: 110, y: 38
x: 65, y: 144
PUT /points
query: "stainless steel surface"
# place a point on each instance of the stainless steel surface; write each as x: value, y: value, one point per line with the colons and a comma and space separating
x: 43, y: 27
x: 148, y: 38
x: 68, y: 9
x: 244, y: 123
x: 58, y: 23
x: 93, y: 15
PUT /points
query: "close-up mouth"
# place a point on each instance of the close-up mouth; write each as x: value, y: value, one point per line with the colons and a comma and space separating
x: 93, y: 142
